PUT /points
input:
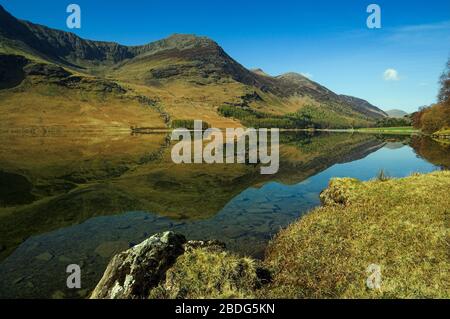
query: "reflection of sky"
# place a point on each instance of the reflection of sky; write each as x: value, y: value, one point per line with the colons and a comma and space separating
x: 399, y: 162
x: 246, y: 223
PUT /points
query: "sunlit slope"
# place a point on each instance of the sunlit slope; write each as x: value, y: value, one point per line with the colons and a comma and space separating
x: 42, y: 94
x: 191, y: 77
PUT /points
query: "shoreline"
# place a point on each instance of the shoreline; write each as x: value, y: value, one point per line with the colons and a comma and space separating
x: 59, y: 129
x: 324, y: 254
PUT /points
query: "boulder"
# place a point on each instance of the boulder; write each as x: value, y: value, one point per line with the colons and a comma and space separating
x: 132, y: 274
x: 166, y: 266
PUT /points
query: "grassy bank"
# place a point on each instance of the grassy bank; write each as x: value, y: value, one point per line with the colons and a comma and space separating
x: 399, y: 224
x: 390, y: 130
x: 442, y: 136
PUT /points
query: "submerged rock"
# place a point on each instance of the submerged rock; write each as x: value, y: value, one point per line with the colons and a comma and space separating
x: 110, y: 248
x: 46, y: 256
x: 133, y: 273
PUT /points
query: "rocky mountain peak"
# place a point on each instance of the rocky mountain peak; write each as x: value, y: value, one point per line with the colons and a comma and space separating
x: 259, y: 71
x: 175, y: 42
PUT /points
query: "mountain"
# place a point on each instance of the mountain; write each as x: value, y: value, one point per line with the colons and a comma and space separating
x: 259, y: 72
x: 396, y: 113
x: 173, y: 78
x: 364, y: 106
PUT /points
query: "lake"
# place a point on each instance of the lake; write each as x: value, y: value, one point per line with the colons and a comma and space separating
x: 81, y: 198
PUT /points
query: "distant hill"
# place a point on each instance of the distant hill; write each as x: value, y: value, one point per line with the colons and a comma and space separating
x: 396, y: 113
x: 180, y: 77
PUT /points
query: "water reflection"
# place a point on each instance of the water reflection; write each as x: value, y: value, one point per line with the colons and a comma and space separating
x: 106, y: 213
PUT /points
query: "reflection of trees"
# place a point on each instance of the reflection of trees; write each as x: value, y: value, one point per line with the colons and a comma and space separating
x: 434, y: 152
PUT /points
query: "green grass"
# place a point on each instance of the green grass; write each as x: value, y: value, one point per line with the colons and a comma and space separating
x: 188, y: 124
x: 206, y: 273
x: 443, y: 134
x: 399, y: 224
x: 308, y: 117
x: 390, y: 130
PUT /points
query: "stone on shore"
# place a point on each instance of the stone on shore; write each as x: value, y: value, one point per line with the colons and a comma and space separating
x: 133, y: 273
x: 165, y: 266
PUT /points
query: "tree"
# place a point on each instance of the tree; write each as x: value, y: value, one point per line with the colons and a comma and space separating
x: 436, y: 117
x: 444, y: 92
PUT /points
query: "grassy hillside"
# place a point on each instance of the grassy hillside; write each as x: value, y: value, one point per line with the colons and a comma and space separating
x: 188, y: 76
x: 399, y: 224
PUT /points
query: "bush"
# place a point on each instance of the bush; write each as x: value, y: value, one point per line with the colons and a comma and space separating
x: 188, y: 124
x: 256, y: 119
x: 434, y: 118
x: 394, y: 122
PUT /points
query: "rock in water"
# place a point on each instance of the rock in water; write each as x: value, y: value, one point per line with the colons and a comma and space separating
x: 133, y: 273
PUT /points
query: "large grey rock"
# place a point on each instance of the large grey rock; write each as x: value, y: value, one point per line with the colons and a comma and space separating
x: 133, y: 273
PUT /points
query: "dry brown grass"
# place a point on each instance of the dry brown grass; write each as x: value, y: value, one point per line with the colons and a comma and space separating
x: 399, y: 224
x: 47, y: 105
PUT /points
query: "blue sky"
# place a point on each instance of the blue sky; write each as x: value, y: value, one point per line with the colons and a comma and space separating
x: 397, y: 66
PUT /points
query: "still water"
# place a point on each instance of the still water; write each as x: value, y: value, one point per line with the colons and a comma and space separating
x: 81, y: 199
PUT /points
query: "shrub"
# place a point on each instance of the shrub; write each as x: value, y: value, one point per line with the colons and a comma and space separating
x: 188, y: 124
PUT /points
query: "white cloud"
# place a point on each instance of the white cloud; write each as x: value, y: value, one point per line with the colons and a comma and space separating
x: 307, y: 75
x: 391, y: 75
x: 420, y: 34
x: 443, y: 25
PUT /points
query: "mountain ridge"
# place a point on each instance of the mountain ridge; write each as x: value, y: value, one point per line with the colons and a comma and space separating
x: 181, y: 59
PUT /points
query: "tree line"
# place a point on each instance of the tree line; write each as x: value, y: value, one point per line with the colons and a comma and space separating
x: 436, y: 117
